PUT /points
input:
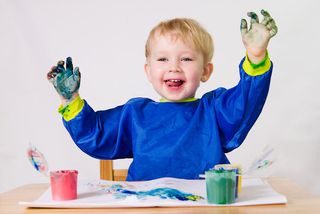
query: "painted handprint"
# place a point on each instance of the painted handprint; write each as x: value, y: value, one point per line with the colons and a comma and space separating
x: 65, y: 80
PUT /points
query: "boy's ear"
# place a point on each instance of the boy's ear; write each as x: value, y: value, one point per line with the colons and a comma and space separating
x: 147, y: 71
x: 207, y: 71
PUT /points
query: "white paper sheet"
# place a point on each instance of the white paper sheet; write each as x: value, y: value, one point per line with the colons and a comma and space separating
x: 100, y: 193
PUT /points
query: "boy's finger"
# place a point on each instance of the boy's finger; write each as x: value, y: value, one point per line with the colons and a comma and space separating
x: 266, y: 17
x: 60, y: 62
x: 243, y: 27
x: 53, y: 69
x: 265, y: 13
x: 77, y: 72
x: 52, y: 73
x: 265, y: 20
x: 254, y: 18
x: 270, y: 25
x: 274, y: 31
x: 60, y: 69
x: 69, y: 64
x: 60, y: 66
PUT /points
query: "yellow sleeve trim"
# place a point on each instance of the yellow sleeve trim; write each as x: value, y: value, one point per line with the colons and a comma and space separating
x: 71, y: 110
x: 256, y: 69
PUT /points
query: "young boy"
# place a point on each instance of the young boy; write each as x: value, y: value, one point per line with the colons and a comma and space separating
x: 180, y: 136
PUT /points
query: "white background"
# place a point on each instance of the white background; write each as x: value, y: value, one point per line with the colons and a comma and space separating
x: 106, y: 40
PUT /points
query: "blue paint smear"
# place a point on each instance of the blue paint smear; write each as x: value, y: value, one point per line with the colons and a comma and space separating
x: 163, y: 193
x: 35, y: 164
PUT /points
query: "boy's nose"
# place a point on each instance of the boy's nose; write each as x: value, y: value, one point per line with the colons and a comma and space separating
x: 174, y: 67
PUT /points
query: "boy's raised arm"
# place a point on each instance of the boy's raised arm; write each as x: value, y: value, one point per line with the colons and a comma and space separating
x: 256, y: 38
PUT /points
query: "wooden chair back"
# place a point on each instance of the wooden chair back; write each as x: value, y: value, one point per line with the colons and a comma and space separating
x: 107, y: 172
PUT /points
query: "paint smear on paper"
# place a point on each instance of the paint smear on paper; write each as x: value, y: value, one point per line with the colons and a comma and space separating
x: 163, y: 193
x: 119, y: 191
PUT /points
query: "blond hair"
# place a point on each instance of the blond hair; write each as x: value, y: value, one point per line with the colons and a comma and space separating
x: 189, y: 30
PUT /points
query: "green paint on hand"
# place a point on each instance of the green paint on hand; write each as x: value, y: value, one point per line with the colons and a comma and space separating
x: 65, y: 80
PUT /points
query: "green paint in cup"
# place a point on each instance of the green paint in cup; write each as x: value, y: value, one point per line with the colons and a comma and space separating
x: 221, y: 186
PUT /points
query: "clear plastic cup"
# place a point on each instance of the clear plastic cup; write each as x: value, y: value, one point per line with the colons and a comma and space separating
x: 64, y: 184
x: 220, y: 186
x: 237, y: 168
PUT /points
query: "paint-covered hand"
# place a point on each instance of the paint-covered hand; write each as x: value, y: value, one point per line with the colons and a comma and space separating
x: 65, y: 80
x: 256, y: 38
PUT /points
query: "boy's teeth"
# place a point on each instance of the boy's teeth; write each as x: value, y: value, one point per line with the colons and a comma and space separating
x: 174, y: 80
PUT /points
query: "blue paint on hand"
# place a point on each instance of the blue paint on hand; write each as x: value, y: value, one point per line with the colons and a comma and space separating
x: 65, y: 80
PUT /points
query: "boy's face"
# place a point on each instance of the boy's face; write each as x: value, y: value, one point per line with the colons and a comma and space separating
x: 175, y: 68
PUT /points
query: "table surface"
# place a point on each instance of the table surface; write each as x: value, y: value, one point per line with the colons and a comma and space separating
x: 299, y: 201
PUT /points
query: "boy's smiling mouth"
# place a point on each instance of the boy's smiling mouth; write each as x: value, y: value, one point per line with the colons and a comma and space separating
x: 174, y: 82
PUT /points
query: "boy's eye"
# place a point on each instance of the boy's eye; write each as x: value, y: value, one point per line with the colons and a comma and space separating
x: 186, y: 59
x: 163, y: 59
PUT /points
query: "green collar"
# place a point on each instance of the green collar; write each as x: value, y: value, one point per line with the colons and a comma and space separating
x: 179, y: 101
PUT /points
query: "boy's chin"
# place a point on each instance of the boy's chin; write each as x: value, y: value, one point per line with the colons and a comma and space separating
x: 174, y: 98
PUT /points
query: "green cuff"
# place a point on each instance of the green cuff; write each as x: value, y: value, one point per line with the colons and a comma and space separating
x: 256, y: 69
x: 71, y: 110
x: 180, y: 101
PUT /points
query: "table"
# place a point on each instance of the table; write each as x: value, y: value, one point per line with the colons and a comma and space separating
x: 299, y: 201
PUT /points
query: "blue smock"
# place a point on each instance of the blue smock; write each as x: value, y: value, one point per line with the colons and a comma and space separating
x: 173, y: 139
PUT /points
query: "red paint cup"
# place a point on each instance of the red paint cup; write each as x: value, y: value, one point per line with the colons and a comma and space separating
x: 64, y: 184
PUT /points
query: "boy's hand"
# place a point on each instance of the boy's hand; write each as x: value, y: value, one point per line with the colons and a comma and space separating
x: 256, y: 39
x: 65, y: 80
